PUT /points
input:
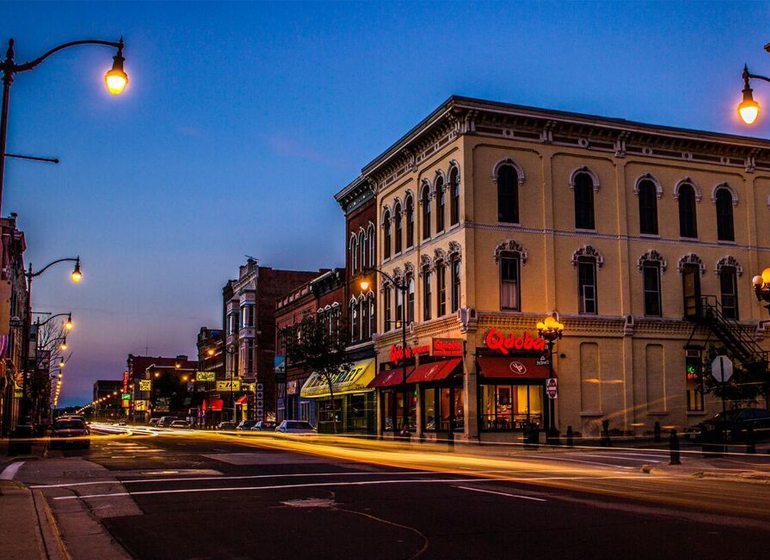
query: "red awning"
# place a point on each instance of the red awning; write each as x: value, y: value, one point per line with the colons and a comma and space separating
x: 512, y: 368
x: 435, y: 371
x: 390, y: 378
x: 212, y: 404
x: 243, y: 399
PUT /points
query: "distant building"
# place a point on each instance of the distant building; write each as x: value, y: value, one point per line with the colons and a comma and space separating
x: 112, y: 391
x: 159, y: 386
x: 211, y: 351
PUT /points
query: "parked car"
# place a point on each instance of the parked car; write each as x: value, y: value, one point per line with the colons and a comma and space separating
x: 736, y: 422
x: 165, y: 421
x: 246, y: 425
x: 227, y: 425
x: 122, y: 423
x: 263, y: 426
x: 154, y: 422
x: 70, y: 432
x: 295, y: 427
x: 180, y: 424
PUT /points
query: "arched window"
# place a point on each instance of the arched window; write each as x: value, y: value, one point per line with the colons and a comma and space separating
x: 455, y: 267
x: 372, y: 241
x: 454, y: 196
x: 409, y: 204
x: 353, y: 253
x: 364, y: 317
x: 584, y: 202
x: 386, y: 234
x: 372, y: 315
x: 427, y: 295
x: 362, y: 249
x: 441, y: 288
x: 725, y: 228
x: 386, y: 309
x: 688, y: 224
x: 410, y: 300
x: 399, y: 307
x: 508, y: 195
x: 354, y: 320
x: 587, y: 293
x: 648, y: 207
x: 425, y: 203
x: 397, y: 220
x: 440, y: 213
x: 728, y: 287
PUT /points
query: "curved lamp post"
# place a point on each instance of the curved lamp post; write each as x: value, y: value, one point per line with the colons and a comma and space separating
x: 761, y: 284
x: 76, y: 276
x: 115, y: 80
x: 403, y: 287
x: 748, y: 108
x: 550, y: 330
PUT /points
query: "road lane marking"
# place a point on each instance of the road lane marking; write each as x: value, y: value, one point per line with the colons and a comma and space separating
x: 10, y: 471
x: 520, y: 496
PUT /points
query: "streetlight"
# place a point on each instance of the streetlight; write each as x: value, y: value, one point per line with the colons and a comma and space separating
x: 748, y: 109
x: 116, y: 80
x: 403, y: 287
x: 550, y: 330
x: 762, y: 287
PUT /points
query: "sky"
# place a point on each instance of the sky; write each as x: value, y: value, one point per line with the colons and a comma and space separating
x: 241, y: 120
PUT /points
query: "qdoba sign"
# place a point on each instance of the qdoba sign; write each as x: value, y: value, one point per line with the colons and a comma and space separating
x: 506, y: 343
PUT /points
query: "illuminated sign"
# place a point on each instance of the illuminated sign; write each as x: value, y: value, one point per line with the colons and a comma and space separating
x: 125, y: 381
x: 141, y: 405
x: 397, y: 352
x: 447, y: 347
x: 126, y: 396
x: 205, y: 376
x: 249, y: 387
x: 234, y: 385
x: 145, y: 385
x: 505, y: 343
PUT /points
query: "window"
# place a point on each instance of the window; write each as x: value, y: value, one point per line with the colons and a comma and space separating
x: 410, y: 301
x: 427, y: 296
x: 372, y: 315
x: 441, y: 289
x: 247, y: 315
x: 386, y: 237
x: 652, y: 299
x: 648, y: 207
x: 694, y: 381
x: 372, y: 240
x: 691, y: 289
x: 364, y: 315
x: 688, y: 225
x: 409, y: 221
x: 728, y: 286
x: 250, y: 355
x: 454, y: 196
x: 397, y: 220
x: 510, y: 407
x: 354, y: 326
x: 362, y: 249
x: 510, y: 287
x: 353, y: 253
x: 455, y: 283
x: 386, y: 308
x: 439, y: 204
x: 724, y: 201
x: 587, y: 285
x: 508, y: 195
x: 425, y: 202
x: 399, y: 307
x: 584, y: 202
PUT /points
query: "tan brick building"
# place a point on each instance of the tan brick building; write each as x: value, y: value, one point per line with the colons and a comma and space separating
x: 494, y: 215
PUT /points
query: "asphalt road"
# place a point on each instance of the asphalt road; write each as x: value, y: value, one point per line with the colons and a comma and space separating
x: 206, y: 496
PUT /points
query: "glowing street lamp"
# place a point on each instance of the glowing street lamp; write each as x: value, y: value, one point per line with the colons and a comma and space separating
x: 68, y: 324
x: 761, y: 284
x: 748, y: 108
x: 550, y: 330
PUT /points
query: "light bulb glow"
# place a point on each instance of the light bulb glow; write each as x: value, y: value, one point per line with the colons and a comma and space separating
x: 748, y: 111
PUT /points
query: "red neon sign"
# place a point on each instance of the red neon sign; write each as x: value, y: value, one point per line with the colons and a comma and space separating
x: 397, y: 352
x: 447, y: 347
x: 500, y: 342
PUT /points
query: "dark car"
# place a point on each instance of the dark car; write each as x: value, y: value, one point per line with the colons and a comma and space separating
x: 263, y: 426
x: 246, y: 425
x: 735, y: 423
x: 226, y: 425
x: 70, y: 432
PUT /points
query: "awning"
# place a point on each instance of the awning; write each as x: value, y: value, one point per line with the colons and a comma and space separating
x: 356, y: 380
x: 243, y: 399
x: 212, y: 404
x: 426, y: 373
x: 512, y: 368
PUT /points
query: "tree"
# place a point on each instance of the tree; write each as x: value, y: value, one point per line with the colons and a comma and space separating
x: 318, y: 346
x: 745, y: 385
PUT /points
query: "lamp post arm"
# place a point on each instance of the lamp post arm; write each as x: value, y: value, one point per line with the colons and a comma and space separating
x: 9, y: 65
x: 388, y: 276
x: 49, y: 319
x: 756, y: 77
x: 31, y: 274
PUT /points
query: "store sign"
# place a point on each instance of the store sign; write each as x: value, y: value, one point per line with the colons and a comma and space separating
x: 397, y: 352
x: 248, y: 387
x: 126, y: 396
x: 292, y: 387
x: 227, y: 385
x: 506, y: 343
x: 279, y: 367
x: 125, y: 381
x: 205, y: 376
x: 552, y: 388
x: 141, y: 405
x: 447, y: 347
x: 145, y: 385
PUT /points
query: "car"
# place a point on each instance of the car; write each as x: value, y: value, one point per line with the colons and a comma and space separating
x: 226, y: 425
x: 263, y: 426
x: 736, y: 422
x: 295, y: 427
x: 165, y: 421
x: 246, y: 425
x: 154, y: 422
x: 180, y: 424
x: 70, y: 432
x: 122, y: 423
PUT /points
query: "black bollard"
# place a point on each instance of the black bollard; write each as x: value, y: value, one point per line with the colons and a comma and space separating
x: 673, y: 445
x: 751, y: 442
x: 570, y: 437
x: 656, y: 432
x: 605, y: 441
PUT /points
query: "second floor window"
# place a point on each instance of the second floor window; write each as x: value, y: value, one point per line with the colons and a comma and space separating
x: 354, y: 321
x: 510, y: 287
x: 427, y: 295
x: 399, y: 307
x: 386, y: 309
x: 652, y: 295
x: 397, y: 220
x: 688, y: 224
x: 507, y: 195
x: 648, y: 208
x: 587, y: 300
x: 455, y: 284
x: 725, y: 227
x: 410, y: 301
x: 364, y: 314
x: 250, y: 356
x: 584, y: 202
x: 441, y: 289
x: 371, y: 239
x: 372, y: 315
x: 728, y: 287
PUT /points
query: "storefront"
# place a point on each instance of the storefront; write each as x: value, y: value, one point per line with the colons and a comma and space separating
x: 297, y: 406
x: 353, y: 408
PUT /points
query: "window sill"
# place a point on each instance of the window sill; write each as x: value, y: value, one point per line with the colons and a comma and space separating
x: 727, y: 242
x: 690, y: 239
x: 590, y: 413
x: 585, y: 230
x: 454, y: 226
x: 509, y: 224
x: 650, y: 235
x: 696, y: 413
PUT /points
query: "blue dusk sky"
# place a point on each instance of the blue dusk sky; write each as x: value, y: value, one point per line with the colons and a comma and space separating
x: 241, y: 120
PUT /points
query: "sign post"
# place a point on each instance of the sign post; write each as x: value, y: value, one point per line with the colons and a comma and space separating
x: 552, y: 388
x: 722, y: 371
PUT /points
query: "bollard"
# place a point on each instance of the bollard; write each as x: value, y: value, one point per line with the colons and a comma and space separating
x: 656, y: 432
x: 673, y: 445
x: 751, y: 443
x: 451, y: 439
x: 570, y: 437
x: 605, y: 441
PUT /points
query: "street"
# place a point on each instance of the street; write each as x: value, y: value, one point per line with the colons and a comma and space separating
x: 164, y: 494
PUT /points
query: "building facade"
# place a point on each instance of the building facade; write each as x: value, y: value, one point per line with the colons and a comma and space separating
x: 160, y: 386
x: 641, y: 239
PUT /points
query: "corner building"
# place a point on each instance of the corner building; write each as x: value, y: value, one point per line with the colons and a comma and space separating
x: 641, y: 239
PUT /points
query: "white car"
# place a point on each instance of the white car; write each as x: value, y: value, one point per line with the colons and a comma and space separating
x: 180, y: 424
x: 295, y: 427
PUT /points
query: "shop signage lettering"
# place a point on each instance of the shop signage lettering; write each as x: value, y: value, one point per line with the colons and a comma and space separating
x: 506, y: 343
x: 397, y: 352
x: 205, y: 376
x: 234, y: 385
x: 518, y: 368
x: 125, y: 381
x: 145, y: 385
x: 447, y: 347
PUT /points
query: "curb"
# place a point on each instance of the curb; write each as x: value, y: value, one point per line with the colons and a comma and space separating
x: 753, y: 477
x: 49, y: 529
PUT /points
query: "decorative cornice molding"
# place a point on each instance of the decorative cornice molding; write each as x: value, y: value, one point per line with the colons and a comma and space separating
x: 510, y: 246
x: 691, y: 258
x: 588, y: 251
x: 653, y: 180
x: 652, y: 256
x: 728, y: 262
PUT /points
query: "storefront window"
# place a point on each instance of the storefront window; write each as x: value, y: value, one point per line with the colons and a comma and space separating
x: 511, y: 407
x: 387, y: 410
x: 429, y: 406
